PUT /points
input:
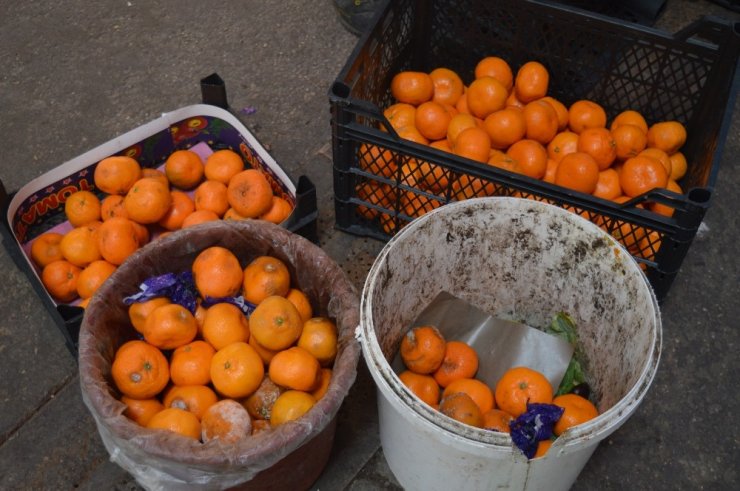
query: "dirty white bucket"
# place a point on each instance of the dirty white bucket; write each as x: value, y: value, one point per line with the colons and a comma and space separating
x: 520, y: 260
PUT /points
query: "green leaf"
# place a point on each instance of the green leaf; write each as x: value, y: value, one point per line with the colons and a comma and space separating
x: 562, y: 325
x: 573, y: 376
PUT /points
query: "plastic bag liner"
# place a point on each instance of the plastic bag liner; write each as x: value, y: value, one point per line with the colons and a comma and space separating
x: 162, y: 460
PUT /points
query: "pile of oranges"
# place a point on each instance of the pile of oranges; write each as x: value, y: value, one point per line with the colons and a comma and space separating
x: 141, y: 203
x: 216, y: 373
x: 506, y: 119
x: 442, y: 374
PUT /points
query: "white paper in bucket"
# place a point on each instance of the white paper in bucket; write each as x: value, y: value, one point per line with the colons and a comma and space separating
x: 500, y: 344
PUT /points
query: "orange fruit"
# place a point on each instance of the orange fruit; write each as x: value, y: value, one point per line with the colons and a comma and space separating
x: 259, y: 404
x: 552, y: 168
x: 665, y: 209
x: 505, y: 127
x: 629, y: 117
x: 531, y: 157
x: 323, y: 385
x: 170, y: 326
x: 275, y: 323
x: 678, y: 166
x: 45, y: 249
x: 542, y: 447
x: 225, y: 324
x: 599, y: 144
x: 291, y: 405
x: 412, y: 87
x: 423, y: 386
x: 116, y: 175
x: 431, y: 119
x: 504, y: 161
x: 80, y: 246
x: 319, y: 337
x: 117, y: 239
x: 260, y: 425
x: 481, y: 394
x: 147, y: 201
x: 541, y: 120
x: 156, y: 174
x: 141, y: 411
x: 629, y: 140
x: 641, y: 174
x: 211, y: 195
x: 531, y: 82
x: 578, y: 410
x: 415, y: 205
x: 236, y: 370
x: 226, y: 421
x: 460, y: 361
x: 448, y: 86
x: 264, y: 353
x: 81, y: 208
x: 193, y: 398
x: 498, y: 68
x: 190, y: 364
x: 139, y: 311
x: 668, y: 136
x: 265, y: 276
x: 423, y: 349
x: 231, y: 214
x: 473, y: 143
x: 60, y: 280
x: 249, y: 193
x: 295, y: 368
x: 139, y: 370
x: 607, y: 186
x: 278, y: 212
x: 458, y: 123
x: 181, y: 206
x: 462, y: 102
x: 584, y: 114
x: 400, y: 114
x: 217, y: 273
x: 578, y: 171
x: 560, y: 110
x: 301, y: 302
x: 177, y: 421
x: 376, y: 160
x: 497, y: 420
x: 485, y: 95
x: 512, y: 101
x: 461, y: 407
x: 93, y: 276
x: 520, y: 385
x: 660, y: 156
x: 562, y: 144
x: 112, y: 206
x: 222, y: 165
x: 412, y: 133
x: 184, y: 169
x: 199, y: 216
x: 142, y: 233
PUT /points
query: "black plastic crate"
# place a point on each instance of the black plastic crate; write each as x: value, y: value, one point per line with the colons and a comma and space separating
x: 38, y: 206
x: 690, y: 76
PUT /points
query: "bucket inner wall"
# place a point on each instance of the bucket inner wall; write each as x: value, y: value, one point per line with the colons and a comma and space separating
x: 524, y: 261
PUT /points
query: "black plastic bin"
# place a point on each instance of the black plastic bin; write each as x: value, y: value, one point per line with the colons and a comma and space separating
x: 690, y: 76
x: 38, y: 206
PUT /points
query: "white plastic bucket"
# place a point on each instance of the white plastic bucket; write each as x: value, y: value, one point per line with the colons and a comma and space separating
x: 525, y: 261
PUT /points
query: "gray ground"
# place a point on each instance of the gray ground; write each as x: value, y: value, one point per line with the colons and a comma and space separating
x: 76, y: 74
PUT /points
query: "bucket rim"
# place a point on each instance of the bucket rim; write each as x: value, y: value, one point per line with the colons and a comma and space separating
x: 598, y: 428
